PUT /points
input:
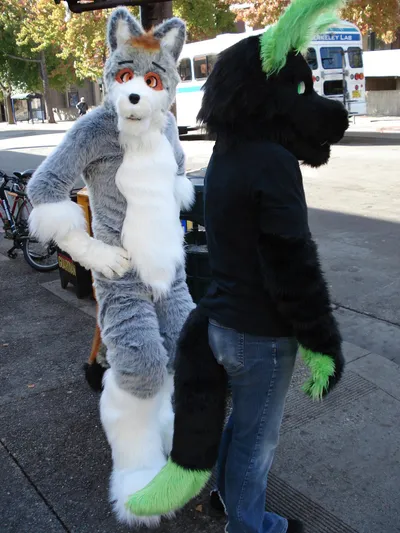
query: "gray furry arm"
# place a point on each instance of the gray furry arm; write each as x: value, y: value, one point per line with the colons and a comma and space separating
x: 54, y: 216
x: 55, y: 177
x: 184, y: 192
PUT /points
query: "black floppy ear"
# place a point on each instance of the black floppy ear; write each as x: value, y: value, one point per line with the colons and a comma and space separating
x: 172, y: 34
x: 121, y: 27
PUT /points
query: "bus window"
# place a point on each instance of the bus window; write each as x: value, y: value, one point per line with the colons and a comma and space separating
x: 333, y: 87
x: 203, y: 66
x: 312, y: 59
x: 211, y: 60
x: 331, y: 57
x: 185, y: 70
x: 355, y: 57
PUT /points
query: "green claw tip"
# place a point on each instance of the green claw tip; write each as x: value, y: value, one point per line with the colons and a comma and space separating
x: 322, y: 368
x: 170, y: 490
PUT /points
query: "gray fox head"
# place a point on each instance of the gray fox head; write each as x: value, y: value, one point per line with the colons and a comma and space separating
x: 141, y: 72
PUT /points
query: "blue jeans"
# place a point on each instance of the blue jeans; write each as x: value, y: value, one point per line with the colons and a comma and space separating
x: 259, y: 370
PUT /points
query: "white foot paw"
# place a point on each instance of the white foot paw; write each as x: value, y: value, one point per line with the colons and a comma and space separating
x: 124, y: 483
x: 167, y: 431
x: 166, y: 416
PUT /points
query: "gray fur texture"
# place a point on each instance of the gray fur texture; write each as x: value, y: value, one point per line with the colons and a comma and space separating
x: 121, y: 16
x: 171, y: 35
x: 140, y: 336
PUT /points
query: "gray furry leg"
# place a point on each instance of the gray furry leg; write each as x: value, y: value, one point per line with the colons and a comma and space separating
x: 130, y: 331
x: 131, y: 400
x: 172, y: 312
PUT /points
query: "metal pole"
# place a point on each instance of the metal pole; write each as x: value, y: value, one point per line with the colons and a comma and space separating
x: 152, y: 14
x: 344, y: 79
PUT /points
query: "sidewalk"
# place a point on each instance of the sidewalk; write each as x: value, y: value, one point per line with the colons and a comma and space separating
x: 384, y: 128
x: 337, y: 466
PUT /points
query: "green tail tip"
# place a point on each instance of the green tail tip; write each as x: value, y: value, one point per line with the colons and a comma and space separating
x: 170, y: 490
x: 322, y: 368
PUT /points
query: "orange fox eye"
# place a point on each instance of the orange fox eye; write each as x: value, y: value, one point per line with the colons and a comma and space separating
x: 124, y: 75
x: 153, y: 80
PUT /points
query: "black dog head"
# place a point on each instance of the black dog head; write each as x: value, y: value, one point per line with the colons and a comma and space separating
x: 241, y: 102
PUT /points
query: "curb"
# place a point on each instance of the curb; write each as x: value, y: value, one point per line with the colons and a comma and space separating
x: 362, y: 136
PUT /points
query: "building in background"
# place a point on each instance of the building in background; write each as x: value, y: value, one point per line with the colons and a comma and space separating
x: 29, y: 107
x: 382, y: 74
x: 64, y: 103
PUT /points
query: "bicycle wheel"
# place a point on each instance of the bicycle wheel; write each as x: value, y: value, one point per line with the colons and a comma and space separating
x: 41, y: 257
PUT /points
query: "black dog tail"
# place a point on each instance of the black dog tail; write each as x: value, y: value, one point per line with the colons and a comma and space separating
x: 200, y: 397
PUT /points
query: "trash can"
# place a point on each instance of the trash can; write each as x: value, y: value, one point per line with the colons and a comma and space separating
x: 70, y: 271
x: 198, y: 273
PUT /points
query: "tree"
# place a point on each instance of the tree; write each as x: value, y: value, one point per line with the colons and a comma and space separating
x: 15, y: 75
x: 41, y: 22
x: 205, y: 18
x: 59, y: 48
x: 379, y: 16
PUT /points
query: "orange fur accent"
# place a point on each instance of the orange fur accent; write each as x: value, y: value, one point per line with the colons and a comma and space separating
x: 147, y: 41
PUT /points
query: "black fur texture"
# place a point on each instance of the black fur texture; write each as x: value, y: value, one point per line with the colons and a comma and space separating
x: 241, y: 102
x: 216, y: 503
x: 200, y: 398
x: 295, y: 526
x: 294, y: 278
x: 94, y: 373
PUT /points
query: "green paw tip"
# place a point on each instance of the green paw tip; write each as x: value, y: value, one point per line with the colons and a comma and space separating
x: 322, y: 368
x: 170, y: 490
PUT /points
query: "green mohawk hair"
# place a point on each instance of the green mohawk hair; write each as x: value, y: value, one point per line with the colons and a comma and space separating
x: 295, y: 29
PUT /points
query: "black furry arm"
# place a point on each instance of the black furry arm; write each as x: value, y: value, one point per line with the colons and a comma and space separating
x: 289, y: 258
x: 294, y: 279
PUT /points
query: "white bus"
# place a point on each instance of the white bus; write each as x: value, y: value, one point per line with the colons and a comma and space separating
x: 335, y: 58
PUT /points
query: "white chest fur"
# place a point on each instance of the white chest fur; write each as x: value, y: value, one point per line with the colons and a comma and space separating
x: 151, y: 233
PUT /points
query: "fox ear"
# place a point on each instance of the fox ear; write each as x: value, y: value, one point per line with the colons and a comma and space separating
x: 172, y: 34
x: 122, y: 26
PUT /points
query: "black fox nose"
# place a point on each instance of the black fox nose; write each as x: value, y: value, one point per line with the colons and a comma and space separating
x: 134, y: 98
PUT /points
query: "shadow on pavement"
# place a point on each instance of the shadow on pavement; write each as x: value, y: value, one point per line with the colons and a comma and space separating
x: 25, y: 161
x: 10, y: 134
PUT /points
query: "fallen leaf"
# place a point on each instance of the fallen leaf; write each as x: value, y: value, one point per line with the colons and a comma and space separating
x: 199, y: 508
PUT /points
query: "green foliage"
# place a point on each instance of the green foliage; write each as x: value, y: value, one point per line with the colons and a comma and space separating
x: 14, y: 74
x: 205, y: 18
x: 74, y: 45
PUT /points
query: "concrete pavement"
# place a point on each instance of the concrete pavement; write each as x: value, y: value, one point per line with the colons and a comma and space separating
x: 337, y: 466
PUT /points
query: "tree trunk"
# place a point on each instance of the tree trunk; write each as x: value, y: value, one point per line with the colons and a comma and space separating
x: 46, y: 89
x: 9, y: 109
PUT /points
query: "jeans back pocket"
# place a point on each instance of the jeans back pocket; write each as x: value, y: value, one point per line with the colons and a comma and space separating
x: 227, y: 345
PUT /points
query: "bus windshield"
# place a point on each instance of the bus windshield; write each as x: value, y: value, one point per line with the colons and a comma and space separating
x: 355, y: 57
x: 331, y: 57
x: 203, y: 66
x: 312, y: 59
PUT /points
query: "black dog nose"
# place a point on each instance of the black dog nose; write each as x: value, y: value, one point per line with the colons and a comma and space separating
x: 134, y: 98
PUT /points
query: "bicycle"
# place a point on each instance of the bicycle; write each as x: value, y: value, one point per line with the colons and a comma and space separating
x: 15, y: 223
